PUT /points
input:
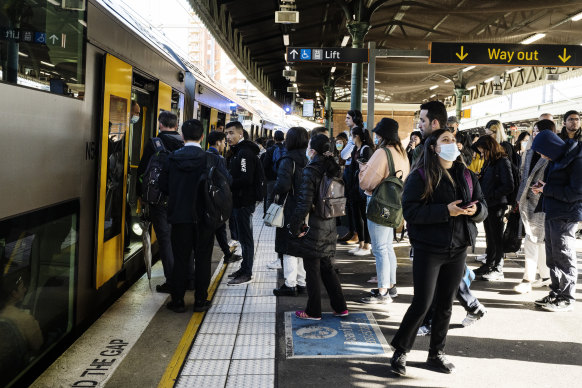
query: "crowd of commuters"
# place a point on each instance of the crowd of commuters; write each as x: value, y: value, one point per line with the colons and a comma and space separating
x: 452, y: 180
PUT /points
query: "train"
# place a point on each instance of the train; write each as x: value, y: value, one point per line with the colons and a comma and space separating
x: 82, y: 85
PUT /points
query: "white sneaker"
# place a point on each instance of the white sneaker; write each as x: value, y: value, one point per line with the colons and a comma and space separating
x: 274, y: 264
x: 541, y: 283
x: 481, y: 258
x: 353, y: 250
x: 233, y: 244
x: 523, y: 287
x: 363, y: 252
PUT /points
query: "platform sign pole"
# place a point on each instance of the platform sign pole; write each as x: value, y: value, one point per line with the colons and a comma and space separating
x: 371, y: 85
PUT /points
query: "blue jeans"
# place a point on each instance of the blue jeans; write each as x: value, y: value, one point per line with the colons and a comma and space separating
x: 243, y: 218
x: 382, y: 237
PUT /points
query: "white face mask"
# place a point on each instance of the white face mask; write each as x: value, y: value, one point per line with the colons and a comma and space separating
x: 376, y: 140
x: 524, y: 145
x: 134, y: 119
x: 449, y: 152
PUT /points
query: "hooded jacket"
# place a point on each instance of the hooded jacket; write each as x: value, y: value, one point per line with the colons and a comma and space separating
x: 242, y: 167
x: 172, y: 141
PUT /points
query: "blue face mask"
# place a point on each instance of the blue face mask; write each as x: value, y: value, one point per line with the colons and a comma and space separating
x: 339, y: 146
x: 376, y: 140
x: 449, y: 152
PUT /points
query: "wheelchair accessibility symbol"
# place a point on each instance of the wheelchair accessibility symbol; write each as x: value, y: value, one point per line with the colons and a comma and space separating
x: 305, y: 54
x: 316, y: 332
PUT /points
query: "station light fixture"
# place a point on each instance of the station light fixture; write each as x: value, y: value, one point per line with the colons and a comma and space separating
x: 432, y: 95
x: 294, y: 85
x: 47, y: 63
x: 471, y: 87
x: 287, y: 68
x: 513, y: 70
x: 286, y: 39
x: 345, y: 40
x: 333, y: 69
x: 466, y: 69
x: 577, y: 17
x: 489, y: 79
x: 533, y: 38
x: 433, y: 87
x: 22, y: 54
x: 317, y: 94
x: 447, y: 81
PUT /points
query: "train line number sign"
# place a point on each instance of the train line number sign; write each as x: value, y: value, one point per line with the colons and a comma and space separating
x: 328, y: 54
x: 506, y: 54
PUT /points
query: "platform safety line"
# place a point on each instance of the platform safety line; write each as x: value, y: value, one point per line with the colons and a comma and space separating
x: 170, y: 376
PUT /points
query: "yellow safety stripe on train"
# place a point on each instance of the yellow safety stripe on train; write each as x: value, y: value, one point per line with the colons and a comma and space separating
x: 171, y: 374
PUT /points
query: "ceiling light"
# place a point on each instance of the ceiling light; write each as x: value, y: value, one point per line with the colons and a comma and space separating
x: 513, y: 70
x: 433, y: 95
x: 345, y: 40
x: 468, y: 68
x: 294, y: 85
x: 471, y: 87
x: 54, y: 2
x: 82, y: 22
x: 286, y: 39
x: 489, y: 79
x: 23, y: 54
x: 376, y: 81
x: 433, y: 87
x: 47, y: 63
x: 285, y: 57
x: 577, y: 17
x: 287, y: 68
x: 333, y: 69
x: 532, y: 38
x: 317, y: 94
x: 447, y: 81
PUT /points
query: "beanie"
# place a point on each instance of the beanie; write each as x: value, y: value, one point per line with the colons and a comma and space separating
x: 549, y: 144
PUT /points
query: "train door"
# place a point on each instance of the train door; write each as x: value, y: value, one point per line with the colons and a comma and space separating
x: 205, y: 120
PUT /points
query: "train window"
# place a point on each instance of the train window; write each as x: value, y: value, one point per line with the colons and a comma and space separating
x: 38, y: 255
x: 178, y: 106
x: 42, y: 45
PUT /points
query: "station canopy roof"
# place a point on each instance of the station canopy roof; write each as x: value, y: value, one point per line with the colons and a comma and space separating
x: 408, y: 25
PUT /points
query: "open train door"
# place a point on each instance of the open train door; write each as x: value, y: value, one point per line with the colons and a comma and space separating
x: 113, y: 162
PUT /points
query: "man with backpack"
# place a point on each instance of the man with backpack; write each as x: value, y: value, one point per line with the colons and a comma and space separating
x: 185, y: 181
x: 248, y: 181
x: 155, y: 154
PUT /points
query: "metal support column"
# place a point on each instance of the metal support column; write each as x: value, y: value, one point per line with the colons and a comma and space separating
x: 358, y: 31
x: 459, y: 93
x: 371, y: 84
x: 328, y: 90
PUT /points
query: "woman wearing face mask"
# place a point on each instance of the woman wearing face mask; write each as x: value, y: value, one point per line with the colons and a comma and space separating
x: 360, y: 155
x: 496, y: 180
x: 441, y: 201
x: 371, y: 175
x: 521, y: 146
x: 341, y: 140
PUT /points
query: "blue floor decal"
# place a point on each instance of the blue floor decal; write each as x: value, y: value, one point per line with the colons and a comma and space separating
x: 354, y: 335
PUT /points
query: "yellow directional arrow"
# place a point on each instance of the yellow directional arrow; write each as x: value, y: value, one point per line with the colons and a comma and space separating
x: 564, y: 58
x: 461, y: 55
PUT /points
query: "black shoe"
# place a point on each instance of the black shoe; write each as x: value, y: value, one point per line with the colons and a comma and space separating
x: 202, y: 306
x: 165, y: 288
x: 190, y: 286
x: 177, y: 306
x: 301, y: 289
x: 346, y: 237
x: 482, y: 270
x: 393, y: 292
x: 232, y: 258
x: 240, y: 280
x: 551, y: 298
x: 235, y: 274
x: 398, y: 363
x: 441, y: 363
x: 285, y: 290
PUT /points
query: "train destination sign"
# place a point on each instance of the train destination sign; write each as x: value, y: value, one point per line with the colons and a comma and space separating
x: 506, y: 54
x: 327, y: 54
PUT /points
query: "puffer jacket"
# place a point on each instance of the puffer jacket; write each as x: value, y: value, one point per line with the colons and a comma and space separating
x: 242, y: 167
x: 287, y: 185
x: 562, y: 195
x: 320, y: 241
x: 496, y: 181
x: 533, y: 222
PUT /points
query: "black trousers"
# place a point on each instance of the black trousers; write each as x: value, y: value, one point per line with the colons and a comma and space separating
x: 493, y: 225
x: 159, y: 217
x: 222, y: 239
x: 322, y: 270
x: 360, y: 220
x: 435, y: 276
x: 188, y: 239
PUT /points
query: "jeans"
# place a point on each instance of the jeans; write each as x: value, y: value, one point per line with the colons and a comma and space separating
x: 321, y: 270
x: 159, y: 217
x: 436, y: 275
x: 535, y: 259
x: 561, y: 257
x: 222, y: 239
x: 293, y: 271
x: 188, y: 239
x: 382, y: 237
x: 243, y: 218
x: 493, y: 225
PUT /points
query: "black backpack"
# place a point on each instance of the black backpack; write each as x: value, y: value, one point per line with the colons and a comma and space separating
x: 150, y: 187
x: 214, y: 202
x: 331, y: 200
x: 259, y: 181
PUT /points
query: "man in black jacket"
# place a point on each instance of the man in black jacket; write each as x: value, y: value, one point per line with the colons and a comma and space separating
x: 242, y: 167
x: 432, y: 116
x: 168, y: 126
x: 181, y: 181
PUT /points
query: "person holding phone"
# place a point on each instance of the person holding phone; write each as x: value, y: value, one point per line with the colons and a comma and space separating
x: 440, y: 232
x: 315, y: 240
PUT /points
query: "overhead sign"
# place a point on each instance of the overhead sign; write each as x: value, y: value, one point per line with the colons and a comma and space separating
x: 307, y: 108
x: 327, y: 54
x: 506, y: 54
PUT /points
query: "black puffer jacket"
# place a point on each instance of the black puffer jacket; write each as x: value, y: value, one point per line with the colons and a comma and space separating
x: 287, y: 185
x: 242, y: 167
x: 429, y: 224
x: 321, y: 239
x: 496, y: 181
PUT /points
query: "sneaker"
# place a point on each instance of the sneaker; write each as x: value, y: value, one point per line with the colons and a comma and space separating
x: 541, y: 283
x: 473, y: 317
x: 363, y: 252
x: 482, y: 269
x: 353, y: 250
x: 285, y: 290
x: 377, y: 299
x: 423, y: 331
x: 301, y: 289
x: 441, y: 363
x: 235, y: 274
x: 233, y: 244
x: 398, y: 363
x: 240, y: 280
x: 545, y: 300
x: 176, y: 306
x: 481, y: 258
x: 344, y: 313
x: 274, y: 264
x: 202, y: 306
x: 393, y: 292
x: 559, y: 304
x: 523, y: 288
x: 231, y: 258
x: 493, y: 274
x: 303, y: 315
x: 163, y: 288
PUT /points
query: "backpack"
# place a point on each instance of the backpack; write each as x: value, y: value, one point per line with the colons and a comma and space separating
x: 150, y: 187
x: 330, y: 201
x: 259, y: 181
x: 385, y: 207
x: 216, y: 196
x: 278, y: 153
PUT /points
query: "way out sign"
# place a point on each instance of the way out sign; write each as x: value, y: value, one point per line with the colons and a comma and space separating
x: 506, y: 54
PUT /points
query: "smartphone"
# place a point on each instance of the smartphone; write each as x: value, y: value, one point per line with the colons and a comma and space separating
x: 467, y: 205
x: 536, y: 185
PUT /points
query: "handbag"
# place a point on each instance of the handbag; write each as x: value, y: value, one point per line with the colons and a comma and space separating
x: 512, y: 235
x: 274, y: 216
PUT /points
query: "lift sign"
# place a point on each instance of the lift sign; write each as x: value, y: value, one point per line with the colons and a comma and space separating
x: 506, y: 54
